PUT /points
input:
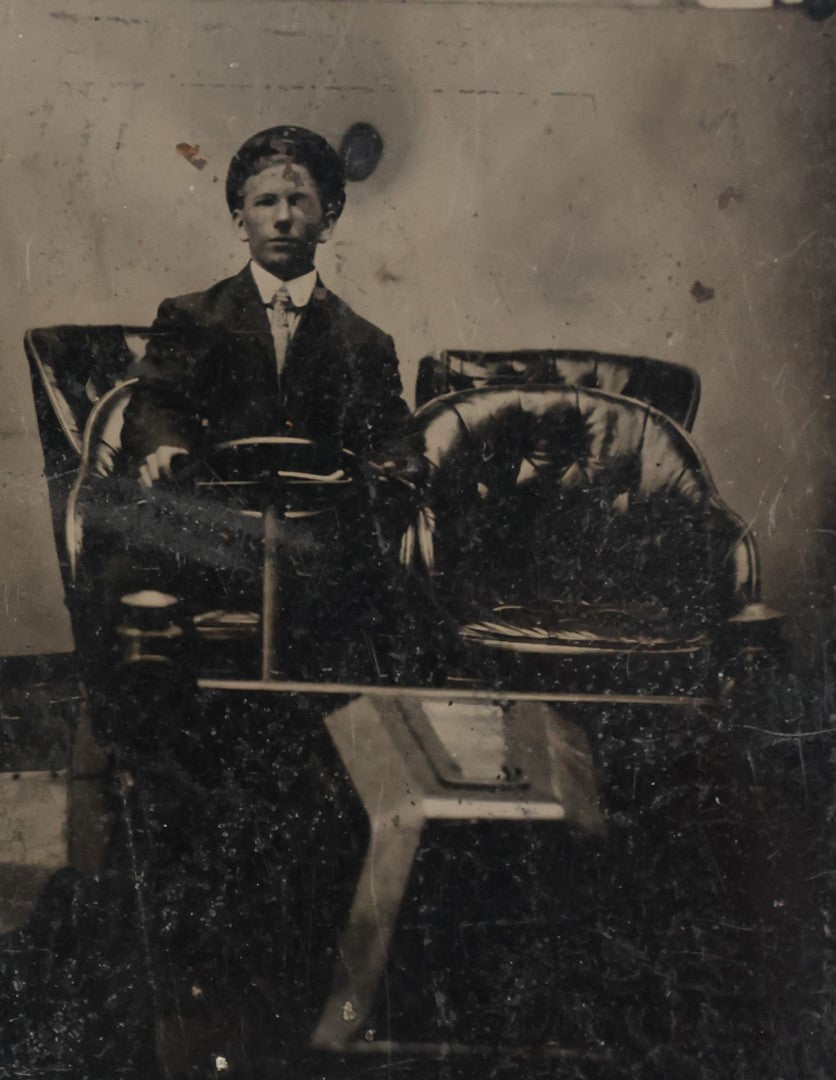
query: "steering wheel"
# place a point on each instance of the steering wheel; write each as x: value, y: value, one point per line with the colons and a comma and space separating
x: 266, y: 483
x: 290, y: 477
x: 277, y: 478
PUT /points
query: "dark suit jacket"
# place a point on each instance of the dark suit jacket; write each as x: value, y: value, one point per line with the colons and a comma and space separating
x: 212, y: 375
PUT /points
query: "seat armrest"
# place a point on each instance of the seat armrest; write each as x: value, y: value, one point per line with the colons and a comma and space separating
x: 100, y: 446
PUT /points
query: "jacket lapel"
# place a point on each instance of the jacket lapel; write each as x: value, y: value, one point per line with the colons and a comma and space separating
x: 317, y: 337
x: 317, y: 372
x: 246, y: 313
x: 239, y: 382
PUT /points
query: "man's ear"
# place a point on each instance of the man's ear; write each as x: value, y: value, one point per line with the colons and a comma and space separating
x: 240, y: 228
x: 330, y: 220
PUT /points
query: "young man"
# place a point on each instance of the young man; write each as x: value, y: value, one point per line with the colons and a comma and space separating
x: 269, y: 351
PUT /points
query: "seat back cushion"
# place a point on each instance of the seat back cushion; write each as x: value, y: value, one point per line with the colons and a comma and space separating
x: 72, y: 368
x: 672, y: 388
x: 553, y: 496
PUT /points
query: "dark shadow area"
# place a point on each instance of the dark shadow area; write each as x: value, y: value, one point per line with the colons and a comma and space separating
x: 690, y: 940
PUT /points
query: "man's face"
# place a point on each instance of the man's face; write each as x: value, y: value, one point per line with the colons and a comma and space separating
x: 282, y: 219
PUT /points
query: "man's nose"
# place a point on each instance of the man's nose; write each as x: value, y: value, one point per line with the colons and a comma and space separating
x: 282, y: 214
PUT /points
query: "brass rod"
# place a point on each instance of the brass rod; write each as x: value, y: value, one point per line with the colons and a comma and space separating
x: 274, y: 686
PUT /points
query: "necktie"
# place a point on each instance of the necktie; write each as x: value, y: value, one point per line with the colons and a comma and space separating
x: 280, y: 326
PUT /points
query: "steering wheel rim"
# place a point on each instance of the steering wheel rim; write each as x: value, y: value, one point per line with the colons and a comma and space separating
x: 293, y: 474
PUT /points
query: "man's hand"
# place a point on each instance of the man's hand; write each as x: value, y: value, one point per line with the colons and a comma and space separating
x: 157, y: 466
x: 410, y: 470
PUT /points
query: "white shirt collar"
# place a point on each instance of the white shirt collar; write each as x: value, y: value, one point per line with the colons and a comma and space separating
x: 300, y: 288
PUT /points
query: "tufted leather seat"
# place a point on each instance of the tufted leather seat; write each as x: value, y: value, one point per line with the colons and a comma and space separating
x: 560, y: 521
x: 73, y: 368
x: 673, y: 388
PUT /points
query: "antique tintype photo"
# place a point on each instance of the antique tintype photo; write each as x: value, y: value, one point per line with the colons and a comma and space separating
x: 416, y: 648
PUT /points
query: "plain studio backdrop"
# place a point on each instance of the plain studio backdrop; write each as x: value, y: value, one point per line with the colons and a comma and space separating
x: 552, y: 176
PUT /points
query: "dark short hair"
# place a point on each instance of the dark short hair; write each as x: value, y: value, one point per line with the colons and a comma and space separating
x: 294, y: 144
